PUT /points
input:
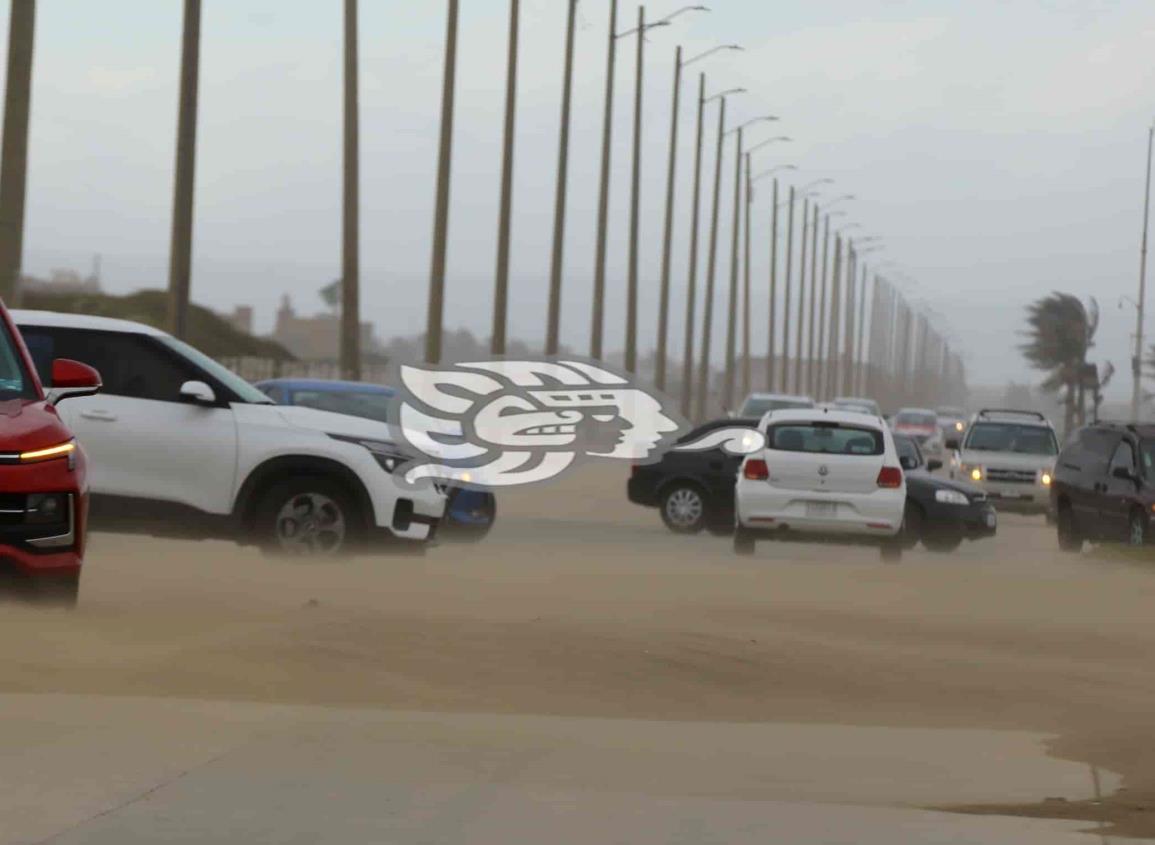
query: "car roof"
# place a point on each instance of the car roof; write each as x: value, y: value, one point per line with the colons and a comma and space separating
x: 916, y: 411
x: 1010, y: 415
x: 793, y: 397
x: 860, y: 400
x: 61, y: 320
x: 827, y: 414
x: 327, y: 385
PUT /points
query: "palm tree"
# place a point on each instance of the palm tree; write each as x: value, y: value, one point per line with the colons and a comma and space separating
x: 14, y: 158
x: 1060, y: 332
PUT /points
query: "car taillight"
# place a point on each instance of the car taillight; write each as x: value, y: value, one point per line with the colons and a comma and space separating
x: 890, y: 477
x: 756, y: 470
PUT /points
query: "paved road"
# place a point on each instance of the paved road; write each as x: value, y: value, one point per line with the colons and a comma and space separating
x: 583, y: 676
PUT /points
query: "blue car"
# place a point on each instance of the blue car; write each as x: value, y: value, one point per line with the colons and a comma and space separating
x: 469, y: 514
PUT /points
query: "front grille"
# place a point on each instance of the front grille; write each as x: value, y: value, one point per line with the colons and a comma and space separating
x: 12, y: 508
x: 977, y: 498
x: 1012, y: 476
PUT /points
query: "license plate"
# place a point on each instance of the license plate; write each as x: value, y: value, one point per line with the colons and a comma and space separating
x: 991, y: 519
x: 821, y: 510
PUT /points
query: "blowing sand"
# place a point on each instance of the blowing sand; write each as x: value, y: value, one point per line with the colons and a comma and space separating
x: 581, y: 606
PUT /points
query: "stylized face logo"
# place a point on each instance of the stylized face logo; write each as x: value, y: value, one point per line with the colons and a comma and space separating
x: 499, y: 423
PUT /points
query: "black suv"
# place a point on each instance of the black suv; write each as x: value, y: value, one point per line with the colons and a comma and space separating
x: 1104, y: 486
x: 693, y: 490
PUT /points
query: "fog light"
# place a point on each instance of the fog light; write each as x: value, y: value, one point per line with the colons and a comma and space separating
x: 46, y: 508
x: 977, y: 474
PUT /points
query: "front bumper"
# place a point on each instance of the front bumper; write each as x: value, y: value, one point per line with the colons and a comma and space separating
x: 1019, y: 498
x: 49, y: 546
x: 973, y: 521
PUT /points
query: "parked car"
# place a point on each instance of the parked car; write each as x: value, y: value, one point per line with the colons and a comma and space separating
x: 922, y: 425
x: 824, y: 474
x: 43, y: 473
x: 180, y: 445
x: 757, y: 404
x: 469, y: 513
x: 940, y: 513
x: 1011, y: 456
x: 1104, y: 486
x: 857, y: 403
x: 692, y: 490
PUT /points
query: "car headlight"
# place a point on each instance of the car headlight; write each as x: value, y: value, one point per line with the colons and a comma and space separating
x: 387, y: 455
x: 951, y: 497
x: 973, y: 472
x: 959, y: 426
x: 1045, y: 478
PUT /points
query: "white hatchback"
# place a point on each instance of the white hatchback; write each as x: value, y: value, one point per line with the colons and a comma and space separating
x: 825, y: 474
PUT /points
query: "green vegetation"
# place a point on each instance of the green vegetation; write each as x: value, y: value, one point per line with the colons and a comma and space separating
x: 208, y: 331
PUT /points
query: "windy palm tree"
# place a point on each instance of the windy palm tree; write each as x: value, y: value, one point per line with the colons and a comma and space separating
x: 1060, y: 332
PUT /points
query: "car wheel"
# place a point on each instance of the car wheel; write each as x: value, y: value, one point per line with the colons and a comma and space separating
x: 891, y: 550
x: 1137, y: 528
x: 469, y: 515
x: 308, y: 517
x: 743, y: 541
x: 942, y: 542
x: 684, y: 509
x: 1070, y: 539
x: 913, y: 525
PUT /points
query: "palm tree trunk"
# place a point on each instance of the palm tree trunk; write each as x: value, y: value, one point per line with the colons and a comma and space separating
x: 14, y: 159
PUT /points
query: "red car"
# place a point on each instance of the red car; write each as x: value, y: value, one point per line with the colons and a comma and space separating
x: 43, y: 492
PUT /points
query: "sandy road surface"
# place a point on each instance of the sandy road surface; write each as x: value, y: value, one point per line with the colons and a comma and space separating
x: 581, y: 657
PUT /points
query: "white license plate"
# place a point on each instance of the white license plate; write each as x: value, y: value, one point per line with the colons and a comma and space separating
x: 821, y: 510
x: 991, y: 519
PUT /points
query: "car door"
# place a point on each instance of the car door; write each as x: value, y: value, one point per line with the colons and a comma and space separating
x: 1096, y: 446
x: 1118, y: 497
x: 142, y: 440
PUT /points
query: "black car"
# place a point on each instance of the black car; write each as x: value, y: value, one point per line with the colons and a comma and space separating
x: 940, y: 513
x: 1104, y: 486
x: 692, y: 490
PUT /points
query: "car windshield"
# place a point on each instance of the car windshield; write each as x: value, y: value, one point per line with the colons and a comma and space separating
x: 372, y: 405
x: 1011, y: 437
x: 918, y: 418
x: 14, y: 379
x: 245, y: 391
x: 1147, y: 457
x: 757, y: 406
x: 825, y: 438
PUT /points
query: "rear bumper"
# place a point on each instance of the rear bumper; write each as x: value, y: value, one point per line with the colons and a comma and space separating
x: 642, y: 491
x: 763, y: 508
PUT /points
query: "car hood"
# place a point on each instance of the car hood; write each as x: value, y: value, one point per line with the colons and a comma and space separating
x: 1007, y: 460
x: 25, y: 426
x: 927, y: 481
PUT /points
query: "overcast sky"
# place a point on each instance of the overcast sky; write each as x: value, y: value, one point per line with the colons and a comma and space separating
x: 998, y: 147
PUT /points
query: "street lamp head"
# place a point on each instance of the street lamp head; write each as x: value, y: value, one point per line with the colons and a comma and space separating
x: 725, y: 93
x: 751, y: 121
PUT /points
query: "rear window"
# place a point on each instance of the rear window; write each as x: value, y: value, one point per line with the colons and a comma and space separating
x: 822, y: 438
x: 911, y: 418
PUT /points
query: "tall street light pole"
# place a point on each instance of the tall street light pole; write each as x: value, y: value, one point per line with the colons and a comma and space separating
x: 555, y: 270
x: 433, y: 324
x: 598, y: 318
x: 14, y: 157
x: 692, y: 282
x: 497, y: 340
x: 786, y: 293
x: 732, y: 311
x: 771, y: 362
x: 667, y: 235
x: 635, y: 200
x: 810, y: 346
x: 180, y: 254
x: 746, y: 287
x: 820, y: 381
x: 350, y: 351
x: 711, y: 273
x: 1137, y: 359
x: 801, y: 296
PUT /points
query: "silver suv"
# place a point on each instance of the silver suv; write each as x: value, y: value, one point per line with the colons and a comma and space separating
x: 1011, y: 455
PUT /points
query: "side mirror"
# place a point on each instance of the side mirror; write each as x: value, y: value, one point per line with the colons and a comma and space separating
x: 907, y: 462
x: 1123, y: 474
x: 951, y: 443
x: 72, y: 378
x: 933, y: 464
x: 197, y: 393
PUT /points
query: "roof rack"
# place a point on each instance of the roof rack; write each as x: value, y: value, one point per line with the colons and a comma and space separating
x: 987, y: 412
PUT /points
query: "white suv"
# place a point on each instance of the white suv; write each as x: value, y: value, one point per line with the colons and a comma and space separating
x: 824, y: 474
x: 1011, y: 455
x: 180, y: 445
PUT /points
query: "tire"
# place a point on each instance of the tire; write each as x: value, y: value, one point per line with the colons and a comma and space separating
x: 1137, y: 528
x: 482, y: 516
x: 913, y: 525
x: 1070, y: 538
x: 683, y: 508
x: 308, y: 516
x: 942, y: 543
x: 891, y: 550
x: 743, y: 541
